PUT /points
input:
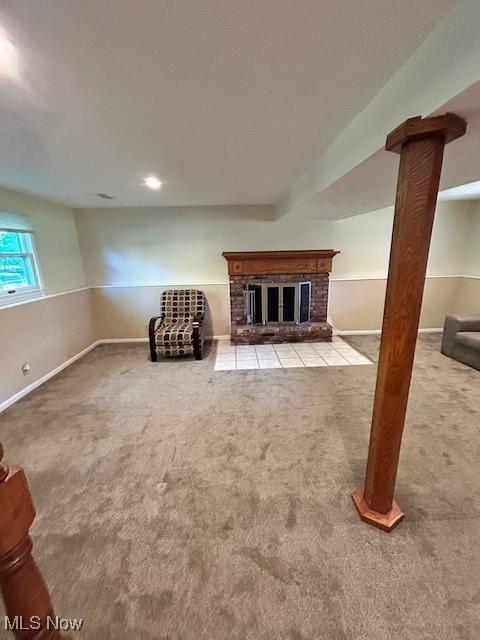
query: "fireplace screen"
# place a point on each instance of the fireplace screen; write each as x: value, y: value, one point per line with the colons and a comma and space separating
x: 269, y: 302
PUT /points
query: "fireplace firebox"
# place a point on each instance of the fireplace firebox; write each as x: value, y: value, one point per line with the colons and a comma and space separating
x: 279, y: 296
x: 273, y: 303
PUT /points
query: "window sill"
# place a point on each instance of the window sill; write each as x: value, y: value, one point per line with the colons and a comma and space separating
x: 11, y: 299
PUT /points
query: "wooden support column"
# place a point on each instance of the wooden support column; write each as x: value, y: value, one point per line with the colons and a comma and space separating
x: 26, y: 598
x: 420, y: 143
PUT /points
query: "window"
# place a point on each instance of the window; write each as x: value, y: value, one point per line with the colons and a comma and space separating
x: 19, y: 276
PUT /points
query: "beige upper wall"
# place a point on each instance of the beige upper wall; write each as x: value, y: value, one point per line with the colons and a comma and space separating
x: 55, y: 236
x: 184, y: 244
x: 467, y: 299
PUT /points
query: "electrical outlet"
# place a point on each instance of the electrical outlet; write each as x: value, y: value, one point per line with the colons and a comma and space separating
x: 25, y: 368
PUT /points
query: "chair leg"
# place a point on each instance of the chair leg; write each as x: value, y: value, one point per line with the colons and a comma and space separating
x: 153, y: 349
x: 151, y: 337
x: 153, y: 352
x: 197, y: 350
x: 197, y: 342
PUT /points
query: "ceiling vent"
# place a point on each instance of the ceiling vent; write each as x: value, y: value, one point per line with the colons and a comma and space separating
x: 104, y: 196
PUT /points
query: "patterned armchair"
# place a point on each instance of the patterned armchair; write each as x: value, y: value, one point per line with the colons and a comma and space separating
x: 179, y: 329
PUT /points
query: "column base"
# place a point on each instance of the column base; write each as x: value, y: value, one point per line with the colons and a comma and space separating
x: 386, y: 521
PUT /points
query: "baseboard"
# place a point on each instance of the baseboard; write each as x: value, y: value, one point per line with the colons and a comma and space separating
x: 377, y: 332
x: 357, y: 332
x: 115, y: 340
x: 31, y: 387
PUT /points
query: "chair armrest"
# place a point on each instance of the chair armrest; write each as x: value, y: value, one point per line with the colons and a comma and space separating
x: 152, y: 326
x: 455, y: 324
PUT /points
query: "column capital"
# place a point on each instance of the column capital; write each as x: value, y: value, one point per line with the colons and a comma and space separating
x: 448, y: 126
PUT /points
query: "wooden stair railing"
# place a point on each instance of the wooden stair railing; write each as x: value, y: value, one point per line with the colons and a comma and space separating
x: 27, y: 601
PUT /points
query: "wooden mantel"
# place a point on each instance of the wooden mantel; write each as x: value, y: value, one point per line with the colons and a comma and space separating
x: 277, y: 262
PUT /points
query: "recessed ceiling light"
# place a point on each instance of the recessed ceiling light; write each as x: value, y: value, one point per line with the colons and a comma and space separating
x: 152, y: 183
x: 8, y: 57
x: 104, y: 196
x: 5, y: 44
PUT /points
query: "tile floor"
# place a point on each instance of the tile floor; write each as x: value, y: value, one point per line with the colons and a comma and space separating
x: 287, y: 355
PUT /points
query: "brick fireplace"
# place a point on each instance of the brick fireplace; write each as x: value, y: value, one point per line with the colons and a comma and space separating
x: 279, y: 296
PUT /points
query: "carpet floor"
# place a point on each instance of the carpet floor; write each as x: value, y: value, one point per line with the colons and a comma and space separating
x: 176, y: 502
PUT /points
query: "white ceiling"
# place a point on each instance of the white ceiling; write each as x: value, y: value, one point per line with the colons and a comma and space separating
x: 355, y: 174
x: 226, y: 101
x: 371, y: 184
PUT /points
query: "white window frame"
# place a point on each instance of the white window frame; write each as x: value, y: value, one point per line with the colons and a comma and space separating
x: 14, y: 295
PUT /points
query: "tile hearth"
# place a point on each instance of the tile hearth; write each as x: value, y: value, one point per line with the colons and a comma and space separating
x: 287, y: 355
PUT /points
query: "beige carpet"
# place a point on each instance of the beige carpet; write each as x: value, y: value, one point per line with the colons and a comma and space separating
x: 182, y: 503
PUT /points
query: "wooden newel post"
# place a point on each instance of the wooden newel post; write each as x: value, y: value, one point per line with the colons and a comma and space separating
x: 26, y: 598
x: 420, y: 143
